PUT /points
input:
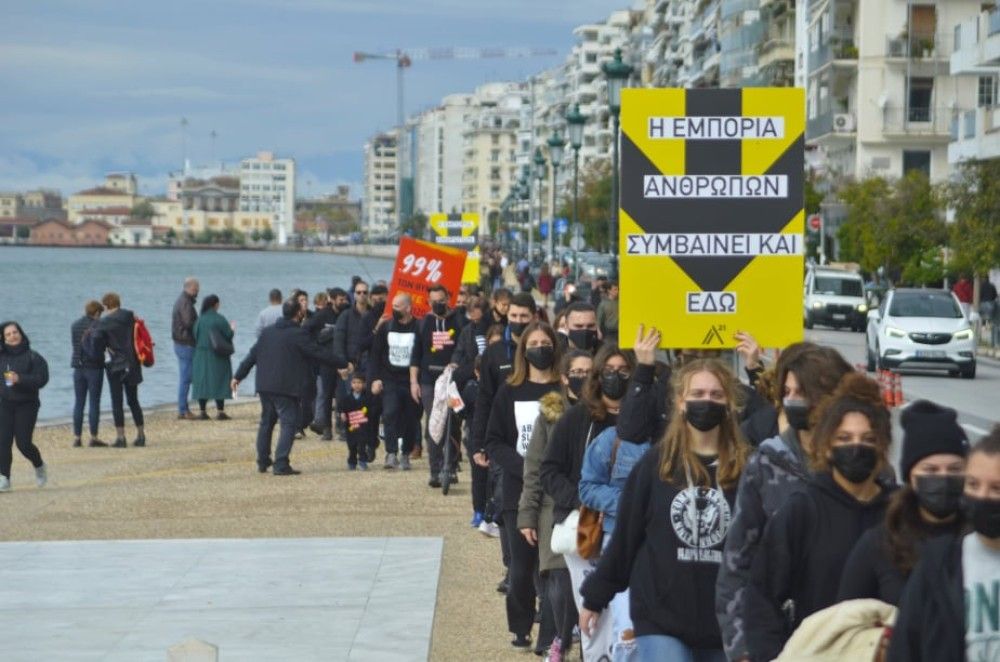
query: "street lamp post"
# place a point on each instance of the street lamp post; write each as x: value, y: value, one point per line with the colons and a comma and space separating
x: 617, y: 72
x: 575, y: 121
x: 524, y: 187
x: 556, y: 145
x: 540, y: 164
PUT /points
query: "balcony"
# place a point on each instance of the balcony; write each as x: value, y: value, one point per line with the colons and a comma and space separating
x: 917, y: 121
x: 975, y: 135
x: 918, y: 46
x: 774, y: 50
x: 832, y: 126
x: 977, y: 44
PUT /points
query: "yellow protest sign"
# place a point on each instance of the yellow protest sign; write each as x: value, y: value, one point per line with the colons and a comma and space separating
x: 459, y: 231
x: 711, y: 215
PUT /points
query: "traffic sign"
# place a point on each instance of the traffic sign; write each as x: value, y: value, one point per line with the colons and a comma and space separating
x: 576, y: 242
x: 711, y: 212
x: 815, y: 222
x: 562, y: 226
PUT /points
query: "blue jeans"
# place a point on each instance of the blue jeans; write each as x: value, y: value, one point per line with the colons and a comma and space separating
x: 655, y: 647
x: 275, y: 409
x: 326, y: 386
x: 87, y: 385
x: 185, y: 360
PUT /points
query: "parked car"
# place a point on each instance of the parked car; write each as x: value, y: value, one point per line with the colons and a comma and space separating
x: 835, y: 297
x: 926, y: 329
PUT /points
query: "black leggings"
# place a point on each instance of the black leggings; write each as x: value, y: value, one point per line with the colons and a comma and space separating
x: 521, y: 574
x: 220, y: 405
x: 131, y: 393
x: 17, y: 424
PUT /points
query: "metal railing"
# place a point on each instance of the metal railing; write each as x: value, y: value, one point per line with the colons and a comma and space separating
x: 919, y: 120
x: 919, y: 45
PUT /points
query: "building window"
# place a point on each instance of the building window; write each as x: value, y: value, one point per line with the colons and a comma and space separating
x: 919, y: 160
x: 987, y: 97
x: 920, y: 97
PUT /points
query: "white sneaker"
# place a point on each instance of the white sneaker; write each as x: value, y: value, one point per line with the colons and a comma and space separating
x: 489, y: 529
x: 41, y: 475
x: 4, y: 484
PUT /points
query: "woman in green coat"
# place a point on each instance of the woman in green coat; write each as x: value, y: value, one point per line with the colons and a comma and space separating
x: 213, y: 372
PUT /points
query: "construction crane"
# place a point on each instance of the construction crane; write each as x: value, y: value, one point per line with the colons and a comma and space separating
x: 404, y: 59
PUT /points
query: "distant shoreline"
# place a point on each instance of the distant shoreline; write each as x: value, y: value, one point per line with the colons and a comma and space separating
x: 375, y: 251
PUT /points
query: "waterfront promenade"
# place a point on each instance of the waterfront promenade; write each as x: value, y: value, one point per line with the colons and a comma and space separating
x: 197, y: 480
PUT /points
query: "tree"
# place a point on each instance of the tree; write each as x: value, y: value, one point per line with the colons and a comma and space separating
x: 143, y: 211
x: 894, y: 225
x: 594, y: 203
x: 975, y: 234
x: 267, y: 235
x: 255, y: 235
x: 415, y: 225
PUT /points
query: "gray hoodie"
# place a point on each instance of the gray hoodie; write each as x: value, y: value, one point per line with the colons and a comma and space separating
x: 774, y: 472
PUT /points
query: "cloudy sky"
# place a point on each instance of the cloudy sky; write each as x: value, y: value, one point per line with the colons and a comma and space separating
x: 91, y: 86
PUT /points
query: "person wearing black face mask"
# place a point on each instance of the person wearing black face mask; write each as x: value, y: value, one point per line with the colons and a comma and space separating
x: 928, y: 505
x: 776, y: 470
x: 807, y: 542
x: 581, y: 325
x: 513, y: 412
x: 389, y: 376
x: 437, y: 335
x: 535, y: 510
x: 948, y: 608
x: 562, y: 461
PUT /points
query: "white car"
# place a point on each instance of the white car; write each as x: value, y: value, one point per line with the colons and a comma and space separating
x: 922, y: 329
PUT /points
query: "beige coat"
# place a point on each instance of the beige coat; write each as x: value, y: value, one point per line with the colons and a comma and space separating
x: 851, y: 630
x: 534, y: 511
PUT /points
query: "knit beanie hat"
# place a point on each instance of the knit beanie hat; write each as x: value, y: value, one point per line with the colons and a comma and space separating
x: 929, y: 429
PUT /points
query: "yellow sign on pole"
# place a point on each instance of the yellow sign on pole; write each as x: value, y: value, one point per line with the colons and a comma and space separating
x: 711, y: 215
x: 459, y: 231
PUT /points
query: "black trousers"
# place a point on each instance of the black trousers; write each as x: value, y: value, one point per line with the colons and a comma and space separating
x: 118, y: 388
x: 17, y: 425
x: 521, y: 572
x: 480, y: 486
x: 559, y: 589
x: 401, y: 416
x: 220, y: 405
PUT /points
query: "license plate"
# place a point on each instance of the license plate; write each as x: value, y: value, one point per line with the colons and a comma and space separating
x: 839, y: 316
x: 930, y: 354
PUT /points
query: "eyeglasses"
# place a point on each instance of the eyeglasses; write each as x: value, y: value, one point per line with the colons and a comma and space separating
x: 579, y: 373
x: 360, y: 292
x: 611, y: 372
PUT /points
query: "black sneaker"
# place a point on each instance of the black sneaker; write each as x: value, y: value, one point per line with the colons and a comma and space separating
x: 203, y: 416
x: 97, y: 443
x: 521, y: 641
x: 327, y: 435
x: 139, y: 441
x: 503, y: 585
x: 262, y: 468
x: 287, y: 471
x: 434, y: 482
x: 316, y: 427
x: 222, y: 416
x: 77, y: 443
x: 120, y: 443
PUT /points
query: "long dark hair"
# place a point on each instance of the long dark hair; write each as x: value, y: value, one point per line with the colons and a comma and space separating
x: 519, y: 373
x: 3, y: 343
x: 210, y: 302
x: 905, y: 529
x: 590, y: 394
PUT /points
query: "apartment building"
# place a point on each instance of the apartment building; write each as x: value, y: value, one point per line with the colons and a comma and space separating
x: 379, y: 199
x: 490, y: 147
x: 438, y: 177
x: 881, y: 99
x: 40, y: 204
x: 700, y: 48
x: 975, y: 133
x: 267, y: 186
x: 775, y: 50
x: 118, y: 191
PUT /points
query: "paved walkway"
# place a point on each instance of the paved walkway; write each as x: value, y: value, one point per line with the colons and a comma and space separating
x: 262, y: 599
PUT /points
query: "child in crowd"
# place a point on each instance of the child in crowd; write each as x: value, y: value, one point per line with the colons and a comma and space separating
x: 357, y: 412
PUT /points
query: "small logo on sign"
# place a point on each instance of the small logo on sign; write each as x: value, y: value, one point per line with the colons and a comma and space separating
x: 714, y: 335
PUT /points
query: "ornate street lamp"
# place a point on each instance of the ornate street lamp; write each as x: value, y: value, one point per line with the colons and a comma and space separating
x: 616, y: 72
x: 540, y: 165
x: 556, y: 145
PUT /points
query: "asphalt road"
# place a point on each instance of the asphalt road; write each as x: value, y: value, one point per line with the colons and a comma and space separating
x: 976, y: 400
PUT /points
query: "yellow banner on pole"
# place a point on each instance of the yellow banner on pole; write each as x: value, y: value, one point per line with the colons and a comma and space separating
x: 711, y: 222
x: 459, y: 231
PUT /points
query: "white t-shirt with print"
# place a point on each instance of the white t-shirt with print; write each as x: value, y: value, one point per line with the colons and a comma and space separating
x: 981, y: 584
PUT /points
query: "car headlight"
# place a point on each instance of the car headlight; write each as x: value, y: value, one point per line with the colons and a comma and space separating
x: 893, y: 332
x: 965, y: 334
x: 817, y: 305
x: 862, y: 308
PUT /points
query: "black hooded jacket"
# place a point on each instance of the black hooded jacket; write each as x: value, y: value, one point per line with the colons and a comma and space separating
x: 930, y: 625
x: 32, y: 371
x: 801, y: 557
x: 666, y: 549
x: 117, y: 331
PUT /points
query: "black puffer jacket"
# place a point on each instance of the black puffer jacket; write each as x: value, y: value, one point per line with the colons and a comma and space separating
x: 32, y: 372
x: 349, y: 338
x: 117, y: 331
x: 76, y: 332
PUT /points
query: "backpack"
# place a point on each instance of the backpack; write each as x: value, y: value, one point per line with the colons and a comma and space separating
x: 143, y: 343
